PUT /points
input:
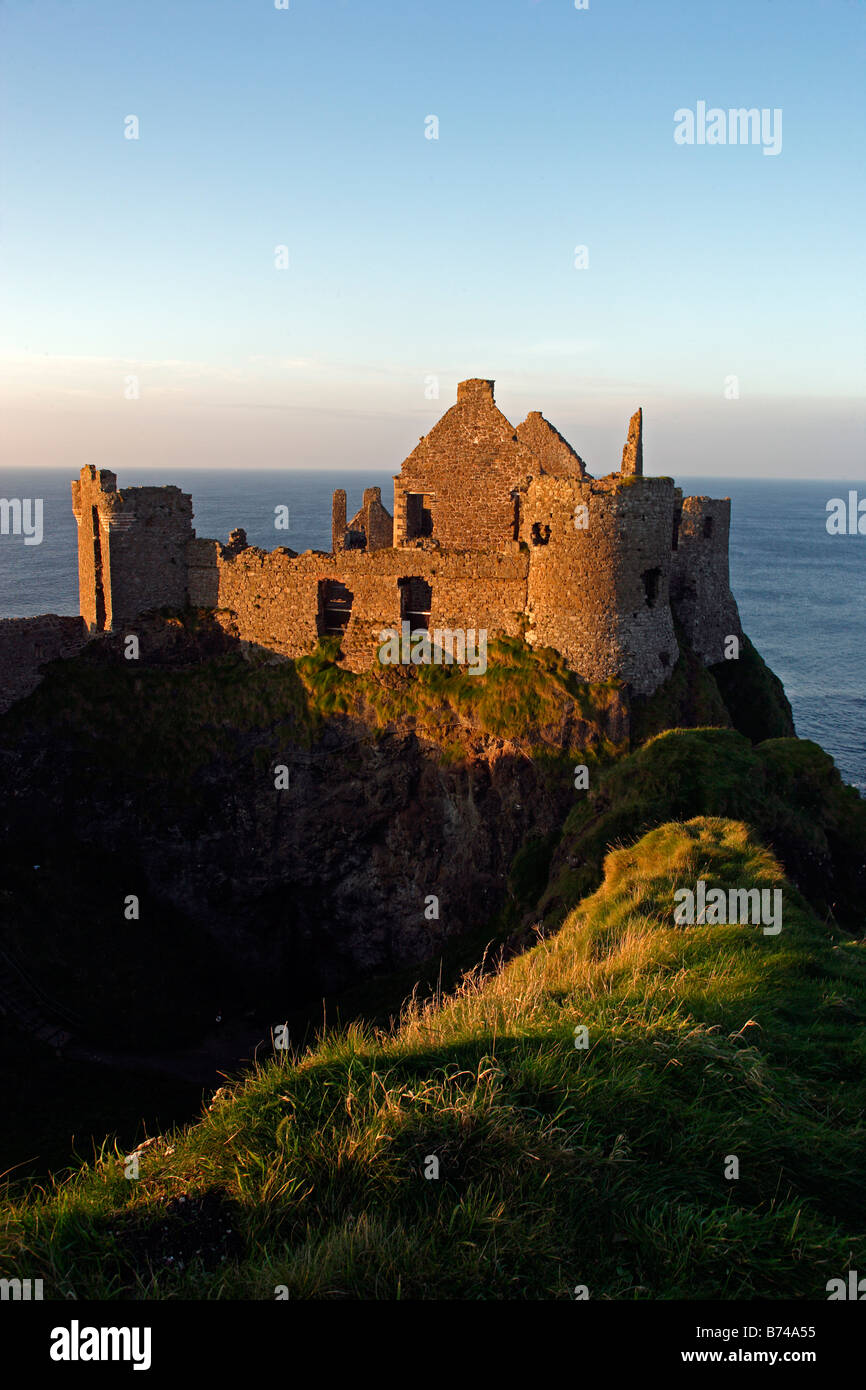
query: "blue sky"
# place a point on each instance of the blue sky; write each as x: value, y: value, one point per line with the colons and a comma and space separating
x: 411, y: 258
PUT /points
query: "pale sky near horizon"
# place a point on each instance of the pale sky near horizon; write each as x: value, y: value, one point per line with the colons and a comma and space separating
x: 416, y: 262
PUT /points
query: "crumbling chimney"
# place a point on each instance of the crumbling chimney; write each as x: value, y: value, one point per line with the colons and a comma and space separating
x: 632, y: 454
x: 338, y: 520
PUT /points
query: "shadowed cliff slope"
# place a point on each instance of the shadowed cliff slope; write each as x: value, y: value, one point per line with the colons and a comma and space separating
x: 282, y: 825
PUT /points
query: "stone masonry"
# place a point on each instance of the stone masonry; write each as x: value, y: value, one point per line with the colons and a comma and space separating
x: 494, y: 527
x: 632, y: 454
x: 700, y: 590
x: 29, y: 644
x: 132, y: 548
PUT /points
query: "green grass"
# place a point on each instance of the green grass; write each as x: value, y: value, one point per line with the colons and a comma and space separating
x: 524, y: 692
x: 558, y: 1166
x: 164, y: 723
x: 788, y: 790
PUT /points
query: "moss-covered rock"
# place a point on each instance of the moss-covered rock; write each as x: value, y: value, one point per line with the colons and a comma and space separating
x: 742, y: 694
x: 754, y: 696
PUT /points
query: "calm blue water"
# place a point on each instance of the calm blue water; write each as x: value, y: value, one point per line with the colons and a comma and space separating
x: 801, y: 592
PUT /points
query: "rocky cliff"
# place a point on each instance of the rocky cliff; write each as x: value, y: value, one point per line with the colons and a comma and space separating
x: 286, y: 828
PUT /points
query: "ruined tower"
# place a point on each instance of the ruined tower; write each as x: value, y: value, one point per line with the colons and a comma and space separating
x: 599, y: 574
x: 700, y: 583
x: 132, y: 548
x: 338, y: 519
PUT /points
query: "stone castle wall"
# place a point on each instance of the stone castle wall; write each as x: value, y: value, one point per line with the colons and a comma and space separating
x: 275, y: 598
x: 494, y: 529
x: 700, y: 578
x: 27, y: 644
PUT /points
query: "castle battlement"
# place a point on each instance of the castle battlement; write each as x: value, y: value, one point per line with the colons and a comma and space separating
x: 494, y: 527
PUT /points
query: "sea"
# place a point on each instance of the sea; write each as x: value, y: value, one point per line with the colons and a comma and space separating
x: 801, y: 591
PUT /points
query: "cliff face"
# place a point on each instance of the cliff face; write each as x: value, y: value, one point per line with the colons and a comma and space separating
x: 332, y: 877
x: 297, y: 827
x: 209, y: 829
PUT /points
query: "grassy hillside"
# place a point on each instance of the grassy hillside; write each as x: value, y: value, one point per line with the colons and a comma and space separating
x: 559, y: 1166
x: 788, y: 790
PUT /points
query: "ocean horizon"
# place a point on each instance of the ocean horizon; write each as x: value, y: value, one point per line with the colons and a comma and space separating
x: 801, y: 591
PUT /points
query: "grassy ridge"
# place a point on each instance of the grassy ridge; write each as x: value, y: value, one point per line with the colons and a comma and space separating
x: 788, y: 790
x: 558, y: 1166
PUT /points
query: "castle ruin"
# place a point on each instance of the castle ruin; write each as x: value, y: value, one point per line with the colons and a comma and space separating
x: 494, y: 527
